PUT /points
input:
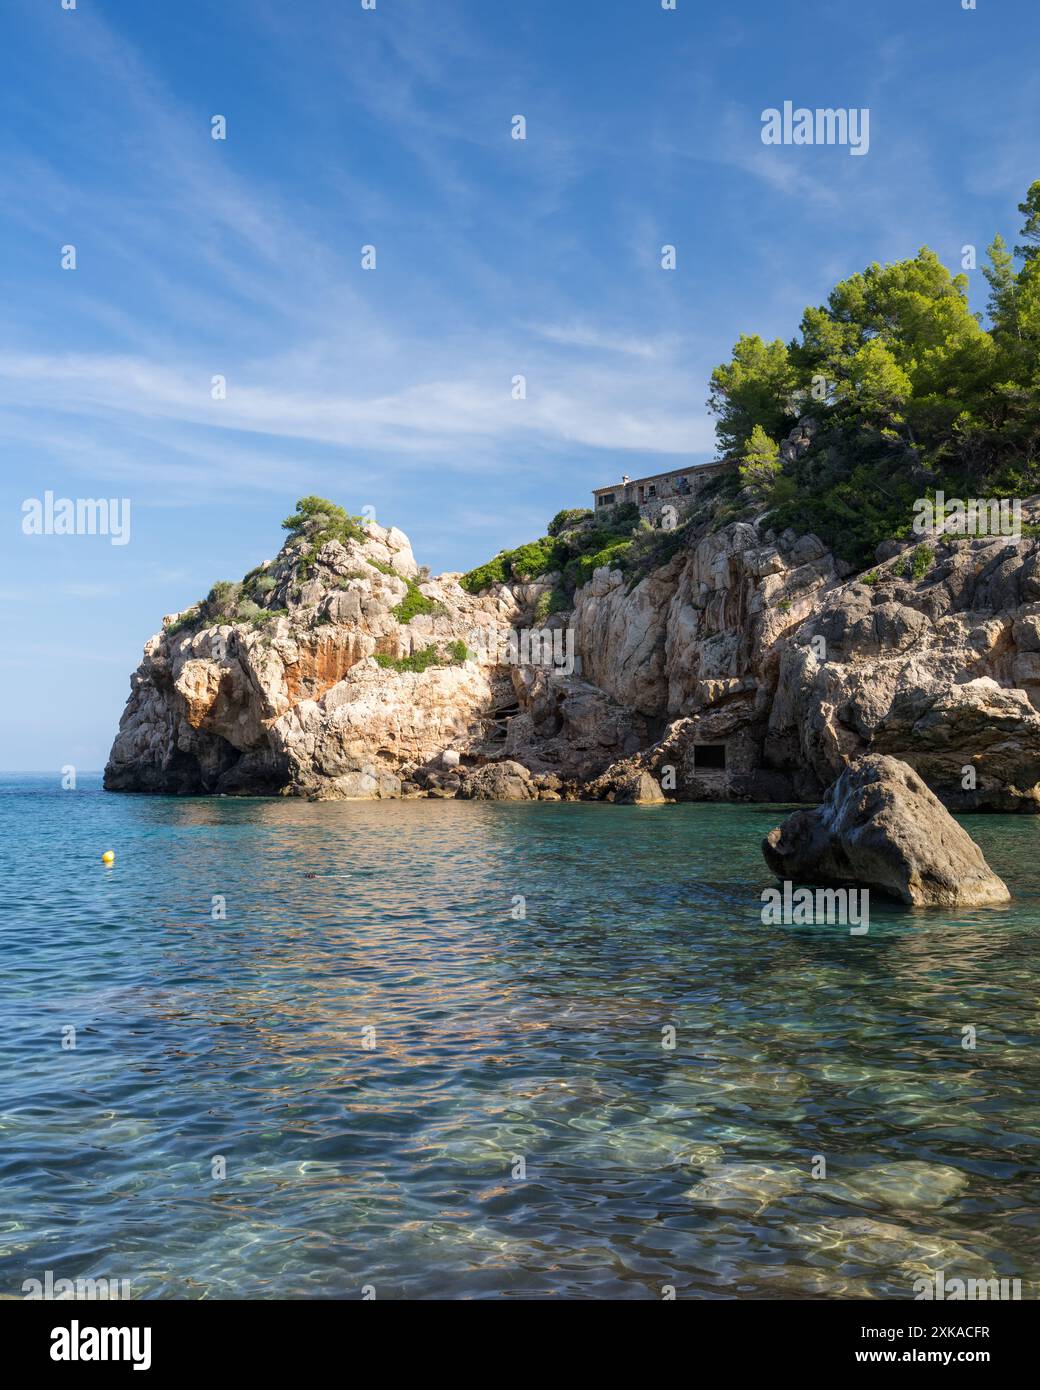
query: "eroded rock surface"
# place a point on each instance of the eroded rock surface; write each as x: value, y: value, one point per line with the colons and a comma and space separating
x: 749, y: 665
x: 880, y: 827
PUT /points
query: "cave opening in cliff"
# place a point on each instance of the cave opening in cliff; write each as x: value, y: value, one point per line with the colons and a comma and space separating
x: 709, y: 757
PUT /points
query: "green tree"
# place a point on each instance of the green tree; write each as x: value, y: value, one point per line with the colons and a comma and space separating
x: 1003, y: 286
x: 761, y: 461
x: 874, y: 383
x: 1030, y: 210
x: 914, y: 307
x: 755, y: 388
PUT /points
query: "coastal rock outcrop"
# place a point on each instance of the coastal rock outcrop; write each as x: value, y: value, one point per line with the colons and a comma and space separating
x: 880, y: 827
x: 355, y: 677
x: 745, y: 662
x: 505, y: 781
x: 769, y: 668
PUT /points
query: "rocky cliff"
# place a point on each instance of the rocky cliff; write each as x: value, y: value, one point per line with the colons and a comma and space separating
x: 748, y: 665
x: 355, y: 677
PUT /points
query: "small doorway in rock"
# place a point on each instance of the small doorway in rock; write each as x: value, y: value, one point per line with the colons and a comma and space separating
x: 709, y: 757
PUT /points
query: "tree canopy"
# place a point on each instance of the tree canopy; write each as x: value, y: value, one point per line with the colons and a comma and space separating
x: 908, y: 387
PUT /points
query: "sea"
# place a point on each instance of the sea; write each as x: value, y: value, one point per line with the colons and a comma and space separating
x: 446, y: 1050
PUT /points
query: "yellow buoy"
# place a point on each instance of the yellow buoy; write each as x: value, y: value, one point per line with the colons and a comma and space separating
x: 108, y: 857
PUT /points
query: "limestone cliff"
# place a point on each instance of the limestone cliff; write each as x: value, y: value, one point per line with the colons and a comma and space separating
x: 748, y: 664
x: 352, y: 677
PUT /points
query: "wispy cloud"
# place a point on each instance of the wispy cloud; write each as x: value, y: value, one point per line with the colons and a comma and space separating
x: 589, y: 336
x: 608, y: 409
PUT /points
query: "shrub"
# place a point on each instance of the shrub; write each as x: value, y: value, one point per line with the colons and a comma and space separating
x: 414, y: 603
x: 922, y: 561
x: 559, y: 600
x: 612, y: 555
x: 187, y: 619
x: 268, y: 615
x: 532, y: 560
x: 568, y: 519
x: 484, y: 576
x: 318, y: 521
x: 221, y: 601
x: 417, y: 662
x: 456, y: 653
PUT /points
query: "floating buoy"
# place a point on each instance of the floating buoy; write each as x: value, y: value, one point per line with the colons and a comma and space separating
x: 108, y: 857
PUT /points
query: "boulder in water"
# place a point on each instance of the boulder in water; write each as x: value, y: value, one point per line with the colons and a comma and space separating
x: 880, y: 827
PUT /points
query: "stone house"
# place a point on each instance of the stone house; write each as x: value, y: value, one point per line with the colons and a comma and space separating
x: 675, y: 491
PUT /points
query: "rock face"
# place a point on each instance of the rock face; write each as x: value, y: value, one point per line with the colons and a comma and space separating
x: 313, y: 695
x: 763, y: 645
x: 750, y: 666
x: 880, y: 827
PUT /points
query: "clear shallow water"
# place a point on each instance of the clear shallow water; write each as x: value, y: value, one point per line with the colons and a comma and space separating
x: 496, y: 1038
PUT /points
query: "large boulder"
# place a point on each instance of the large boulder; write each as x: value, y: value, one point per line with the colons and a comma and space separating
x: 504, y: 781
x: 880, y: 827
x: 629, y: 784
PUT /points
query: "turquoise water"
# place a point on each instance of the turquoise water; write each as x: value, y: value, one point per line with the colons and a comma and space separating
x: 498, y: 1037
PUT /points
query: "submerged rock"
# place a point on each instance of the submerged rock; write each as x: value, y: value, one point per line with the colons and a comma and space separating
x: 746, y: 1186
x: 906, y: 1186
x: 880, y: 827
x: 881, y: 1244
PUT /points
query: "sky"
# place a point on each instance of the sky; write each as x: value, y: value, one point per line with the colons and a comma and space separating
x: 392, y: 388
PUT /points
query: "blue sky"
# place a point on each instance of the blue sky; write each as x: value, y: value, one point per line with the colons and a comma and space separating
x: 392, y: 388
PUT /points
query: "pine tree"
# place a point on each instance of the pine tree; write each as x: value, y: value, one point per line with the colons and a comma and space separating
x: 1030, y: 210
x: 1003, y: 284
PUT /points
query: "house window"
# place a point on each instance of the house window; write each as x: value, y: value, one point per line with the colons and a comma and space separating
x: 709, y: 757
x: 653, y: 490
x: 607, y: 500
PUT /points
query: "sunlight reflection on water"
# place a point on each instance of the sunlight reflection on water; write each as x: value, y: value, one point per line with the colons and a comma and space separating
x: 495, y: 1039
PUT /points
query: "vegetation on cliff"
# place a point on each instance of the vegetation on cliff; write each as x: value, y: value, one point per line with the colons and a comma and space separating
x: 910, y: 392
x: 578, y: 542
x: 317, y: 521
x: 454, y: 654
x: 415, y: 603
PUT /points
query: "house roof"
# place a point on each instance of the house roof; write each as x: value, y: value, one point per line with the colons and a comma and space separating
x: 656, y: 477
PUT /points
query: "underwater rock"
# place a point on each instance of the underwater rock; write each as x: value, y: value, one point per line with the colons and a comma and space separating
x: 746, y: 1186
x: 884, y: 1245
x: 906, y: 1186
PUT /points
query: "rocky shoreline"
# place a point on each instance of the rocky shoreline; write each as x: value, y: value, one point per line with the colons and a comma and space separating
x: 748, y: 666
